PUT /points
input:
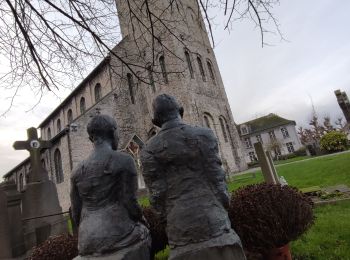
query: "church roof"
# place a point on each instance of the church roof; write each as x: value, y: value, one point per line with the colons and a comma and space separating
x: 75, y: 91
x: 265, y: 122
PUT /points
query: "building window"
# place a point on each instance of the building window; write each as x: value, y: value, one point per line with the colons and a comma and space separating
x: 163, y: 68
x: 222, y: 124
x: 82, y: 105
x: 21, y: 182
x: 201, y: 69
x: 244, y: 130
x: 284, y: 132
x: 58, y: 166
x: 48, y: 133
x: 252, y: 157
x: 290, y: 147
x: 131, y: 87
x: 151, y: 79
x: 277, y: 151
x: 70, y: 116
x: 206, y: 121
x: 43, y: 164
x: 189, y: 64
x: 211, y: 72
x: 259, y: 139
x: 59, y: 125
x: 98, y: 92
x: 272, y: 135
x: 248, y: 143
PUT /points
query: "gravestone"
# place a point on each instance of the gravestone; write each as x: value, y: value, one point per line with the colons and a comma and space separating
x: 267, y: 167
x: 40, y: 197
x: 5, y: 245
x: 14, y: 199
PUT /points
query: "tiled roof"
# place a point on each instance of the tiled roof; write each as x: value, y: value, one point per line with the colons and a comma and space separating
x: 263, y: 123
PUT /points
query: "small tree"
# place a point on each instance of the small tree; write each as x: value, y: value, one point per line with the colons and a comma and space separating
x: 334, y: 141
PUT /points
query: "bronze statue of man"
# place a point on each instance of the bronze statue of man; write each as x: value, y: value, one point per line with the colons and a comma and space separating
x: 183, y: 173
x: 103, y: 198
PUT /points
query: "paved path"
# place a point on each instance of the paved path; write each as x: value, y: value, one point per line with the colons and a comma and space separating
x: 308, y: 159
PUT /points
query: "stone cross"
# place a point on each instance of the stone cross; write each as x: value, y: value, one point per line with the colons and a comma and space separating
x: 34, y: 146
x: 267, y: 167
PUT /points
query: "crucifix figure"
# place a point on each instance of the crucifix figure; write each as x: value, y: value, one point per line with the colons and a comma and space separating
x: 34, y: 146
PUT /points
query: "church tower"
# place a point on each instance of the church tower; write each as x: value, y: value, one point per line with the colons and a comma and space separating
x: 172, y: 42
x: 165, y: 49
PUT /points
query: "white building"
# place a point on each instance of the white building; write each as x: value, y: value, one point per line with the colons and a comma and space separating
x: 277, y: 135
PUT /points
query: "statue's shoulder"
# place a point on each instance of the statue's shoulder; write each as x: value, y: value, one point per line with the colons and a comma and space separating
x: 120, y: 156
x: 200, y: 131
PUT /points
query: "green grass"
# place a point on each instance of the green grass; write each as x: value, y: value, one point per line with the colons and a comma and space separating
x: 329, y: 237
x: 322, y: 171
x: 295, y: 159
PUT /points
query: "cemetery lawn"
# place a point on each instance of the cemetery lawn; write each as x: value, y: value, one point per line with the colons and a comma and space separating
x: 321, y: 171
x: 329, y: 237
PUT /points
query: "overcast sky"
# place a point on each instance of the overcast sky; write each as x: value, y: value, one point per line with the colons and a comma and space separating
x: 281, y: 79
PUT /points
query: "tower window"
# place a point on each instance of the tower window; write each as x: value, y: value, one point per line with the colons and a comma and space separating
x: 211, y: 72
x: 58, y: 166
x: 223, y: 129
x: 98, y: 92
x: 189, y: 64
x: 131, y: 87
x: 201, y: 69
x: 163, y: 68
x: 70, y: 116
x: 59, y: 125
x: 150, y: 77
x: 82, y: 105
x: 206, y: 121
x: 48, y: 133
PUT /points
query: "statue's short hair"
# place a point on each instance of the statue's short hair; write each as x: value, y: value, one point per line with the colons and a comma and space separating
x: 167, y: 107
x: 102, y: 126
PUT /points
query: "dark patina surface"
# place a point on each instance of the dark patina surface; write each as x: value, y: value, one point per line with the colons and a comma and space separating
x: 183, y: 173
x: 103, y: 196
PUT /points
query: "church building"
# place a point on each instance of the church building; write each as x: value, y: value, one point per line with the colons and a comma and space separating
x: 180, y: 62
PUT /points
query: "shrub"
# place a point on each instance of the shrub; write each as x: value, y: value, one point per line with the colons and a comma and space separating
x: 333, y: 141
x: 157, y: 230
x: 267, y: 216
x: 301, y: 151
x: 56, y: 248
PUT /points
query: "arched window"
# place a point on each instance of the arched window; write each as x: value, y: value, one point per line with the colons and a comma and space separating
x: 223, y: 125
x: 70, y: 116
x: 98, y: 92
x: 21, y: 182
x: 150, y: 77
x: 201, y: 69
x: 189, y: 64
x: 211, y: 72
x: 131, y: 87
x: 206, y: 121
x: 58, y: 166
x: 48, y: 133
x: 163, y: 68
x: 82, y: 105
x: 59, y: 125
x: 43, y: 164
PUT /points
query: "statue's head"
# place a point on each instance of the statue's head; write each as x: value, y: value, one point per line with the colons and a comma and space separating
x: 166, y: 108
x: 103, y: 128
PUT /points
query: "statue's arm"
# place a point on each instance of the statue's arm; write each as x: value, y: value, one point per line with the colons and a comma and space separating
x: 155, y: 181
x: 130, y: 184
x: 213, y: 168
x: 76, y: 202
